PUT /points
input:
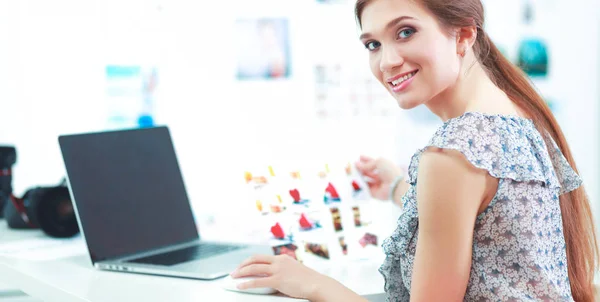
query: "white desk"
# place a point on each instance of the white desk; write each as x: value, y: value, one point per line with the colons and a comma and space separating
x: 8, y: 292
x: 74, y: 279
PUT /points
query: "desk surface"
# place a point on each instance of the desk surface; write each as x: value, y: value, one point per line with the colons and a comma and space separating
x: 6, y: 236
x: 74, y: 279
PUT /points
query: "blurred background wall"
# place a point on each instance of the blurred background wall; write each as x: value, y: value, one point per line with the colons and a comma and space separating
x: 319, y: 104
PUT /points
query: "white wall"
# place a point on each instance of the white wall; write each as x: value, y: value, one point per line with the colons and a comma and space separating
x: 55, y: 84
x: 578, y: 81
x: 52, y: 82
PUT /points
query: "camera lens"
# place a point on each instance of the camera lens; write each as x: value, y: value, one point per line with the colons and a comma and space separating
x: 54, y: 213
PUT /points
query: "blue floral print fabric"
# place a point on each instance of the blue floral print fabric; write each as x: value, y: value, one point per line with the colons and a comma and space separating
x: 519, y: 251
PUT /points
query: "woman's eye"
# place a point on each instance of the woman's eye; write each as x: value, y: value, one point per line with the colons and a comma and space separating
x: 372, y: 45
x: 406, y: 33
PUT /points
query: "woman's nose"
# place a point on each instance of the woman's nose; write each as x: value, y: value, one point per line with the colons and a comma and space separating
x: 390, y: 59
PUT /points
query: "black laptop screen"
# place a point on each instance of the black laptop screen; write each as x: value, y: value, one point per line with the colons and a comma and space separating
x: 128, y: 191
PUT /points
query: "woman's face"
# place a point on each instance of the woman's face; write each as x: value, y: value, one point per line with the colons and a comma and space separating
x: 409, y: 52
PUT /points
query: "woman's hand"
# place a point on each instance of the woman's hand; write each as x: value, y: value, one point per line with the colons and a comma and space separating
x: 381, y: 172
x: 288, y: 276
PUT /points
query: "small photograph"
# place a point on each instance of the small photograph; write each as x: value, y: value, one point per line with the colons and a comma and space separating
x: 297, y: 199
x: 533, y: 57
x: 308, y: 223
x: 278, y: 232
x: 359, y: 190
x: 324, y: 173
x: 130, y: 95
x: 357, y: 221
x: 358, y: 184
x: 331, y: 195
x: 337, y: 219
x: 286, y: 249
x: 368, y: 239
x: 276, y: 208
x: 255, y: 181
x: 316, y: 249
x: 260, y: 208
x: 361, y: 219
x: 263, y: 48
x: 343, y: 245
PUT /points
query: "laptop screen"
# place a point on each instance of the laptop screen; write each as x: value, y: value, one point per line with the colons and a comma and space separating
x: 128, y: 191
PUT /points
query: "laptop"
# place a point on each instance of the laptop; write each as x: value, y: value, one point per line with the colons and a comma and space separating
x: 133, y: 210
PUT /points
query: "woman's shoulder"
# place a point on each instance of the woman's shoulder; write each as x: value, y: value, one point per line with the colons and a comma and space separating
x: 487, y: 127
x: 506, y: 146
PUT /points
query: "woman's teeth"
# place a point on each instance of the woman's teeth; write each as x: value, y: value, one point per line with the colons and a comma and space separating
x: 404, y: 78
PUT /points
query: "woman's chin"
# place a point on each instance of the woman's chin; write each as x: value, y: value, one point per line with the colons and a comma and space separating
x: 407, y: 104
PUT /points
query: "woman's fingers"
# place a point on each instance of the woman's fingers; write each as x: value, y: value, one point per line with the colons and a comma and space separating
x: 365, y: 158
x: 366, y: 165
x: 256, y: 259
x: 258, y: 283
x: 253, y: 270
x: 373, y: 176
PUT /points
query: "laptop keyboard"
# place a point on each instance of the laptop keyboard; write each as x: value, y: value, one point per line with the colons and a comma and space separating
x: 196, y: 252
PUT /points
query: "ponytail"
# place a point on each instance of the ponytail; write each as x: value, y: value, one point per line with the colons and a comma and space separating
x: 578, y: 224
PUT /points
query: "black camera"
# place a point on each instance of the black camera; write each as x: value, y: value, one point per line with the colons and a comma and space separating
x: 46, y: 208
x: 8, y: 157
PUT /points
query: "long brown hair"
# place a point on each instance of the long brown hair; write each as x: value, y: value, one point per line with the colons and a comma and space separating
x: 578, y: 224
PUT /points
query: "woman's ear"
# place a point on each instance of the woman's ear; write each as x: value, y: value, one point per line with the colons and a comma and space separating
x: 465, y: 39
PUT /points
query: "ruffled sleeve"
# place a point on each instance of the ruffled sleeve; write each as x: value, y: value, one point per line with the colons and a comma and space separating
x: 565, y: 174
x: 505, y: 146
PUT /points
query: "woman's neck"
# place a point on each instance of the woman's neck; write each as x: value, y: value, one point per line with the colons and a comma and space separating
x: 473, y: 91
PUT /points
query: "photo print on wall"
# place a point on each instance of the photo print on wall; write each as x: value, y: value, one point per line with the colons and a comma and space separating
x: 263, y: 48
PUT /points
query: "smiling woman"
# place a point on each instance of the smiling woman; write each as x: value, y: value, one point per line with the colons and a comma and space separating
x: 405, y: 51
x: 493, y: 206
x: 460, y: 70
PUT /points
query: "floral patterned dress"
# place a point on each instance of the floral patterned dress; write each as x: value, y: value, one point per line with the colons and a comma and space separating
x: 519, y: 251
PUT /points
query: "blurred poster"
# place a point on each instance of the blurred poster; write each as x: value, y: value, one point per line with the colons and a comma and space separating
x: 342, y: 93
x: 532, y: 56
x: 130, y: 96
x: 263, y: 50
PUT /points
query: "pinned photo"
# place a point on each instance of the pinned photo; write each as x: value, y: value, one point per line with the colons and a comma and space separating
x: 348, y: 169
x: 368, y: 239
x: 277, y: 208
x: 273, y: 202
x: 307, y: 224
x: 286, y: 249
x: 343, y: 245
x: 278, y: 232
x: 297, y: 199
x: 361, y: 219
x: 323, y: 174
x: 337, y: 219
x: 357, y: 221
x: 260, y: 207
x: 316, y: 249
x: 263, y: 48
x: 359, y: 190
x: 331, y: 194
x: 358, y: 185
x: 256, y: 181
